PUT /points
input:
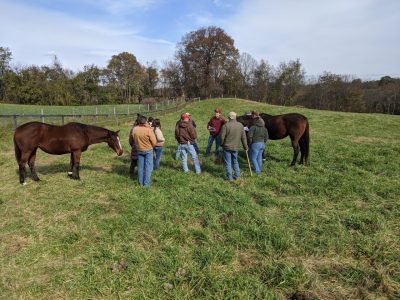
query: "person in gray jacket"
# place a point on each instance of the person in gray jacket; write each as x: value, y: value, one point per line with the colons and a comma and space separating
x: 257, y: 137
x: 232, y: 135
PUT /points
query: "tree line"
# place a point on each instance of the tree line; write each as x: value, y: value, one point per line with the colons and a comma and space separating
x: 206, y: 64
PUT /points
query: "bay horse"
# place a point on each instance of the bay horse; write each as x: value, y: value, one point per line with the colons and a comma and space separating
x: 72, y: 138
x: 293, y: 125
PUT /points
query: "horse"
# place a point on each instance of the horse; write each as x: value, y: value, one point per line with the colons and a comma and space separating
x: 73, y: 138
x: 293, y: 125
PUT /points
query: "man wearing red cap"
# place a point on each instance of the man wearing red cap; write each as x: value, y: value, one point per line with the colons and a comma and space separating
x: 185, y: 134
x: 214, y: 127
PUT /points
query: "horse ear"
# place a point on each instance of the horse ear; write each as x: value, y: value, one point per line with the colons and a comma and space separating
x: 117, y: 132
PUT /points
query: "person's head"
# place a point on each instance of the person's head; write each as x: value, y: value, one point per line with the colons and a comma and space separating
x: 218, y: 112
x: 255, y: 114
x: 186, y: 113
x: 232, y: 115
x: 150, y: 120
x: 142, y: 120
x: 156, y: 123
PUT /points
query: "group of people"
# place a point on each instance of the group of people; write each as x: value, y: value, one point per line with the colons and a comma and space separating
x: 147, y: 141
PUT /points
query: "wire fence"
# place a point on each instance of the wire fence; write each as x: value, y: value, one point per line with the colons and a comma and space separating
x: 118, y: 114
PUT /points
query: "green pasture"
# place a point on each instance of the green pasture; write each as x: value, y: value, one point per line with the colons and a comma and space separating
x: 330, y: 230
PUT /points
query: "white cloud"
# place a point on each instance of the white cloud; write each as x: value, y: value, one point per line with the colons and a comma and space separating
x: 352, y: 37
x: 32, y: 34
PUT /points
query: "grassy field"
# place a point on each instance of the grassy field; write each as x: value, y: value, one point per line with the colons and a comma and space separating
x: 330, y: 230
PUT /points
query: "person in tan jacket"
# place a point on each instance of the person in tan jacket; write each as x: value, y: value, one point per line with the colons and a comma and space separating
x: 158, y: 148
x: 145, y: 140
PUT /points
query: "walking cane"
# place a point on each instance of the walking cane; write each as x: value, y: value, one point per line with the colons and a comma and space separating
x: 248, y: 161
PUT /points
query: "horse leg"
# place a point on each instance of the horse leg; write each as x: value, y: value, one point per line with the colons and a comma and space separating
x: 21, y: 165
x: 31, y: 163
x: 295, y: 145
x: 71, y: 165
x: 75, y: 169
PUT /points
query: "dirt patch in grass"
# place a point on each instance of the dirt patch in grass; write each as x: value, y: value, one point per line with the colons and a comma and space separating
x: 14, y: 243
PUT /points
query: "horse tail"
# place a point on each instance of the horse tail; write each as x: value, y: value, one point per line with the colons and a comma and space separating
x: 305, y: 142
x: 17, y: 151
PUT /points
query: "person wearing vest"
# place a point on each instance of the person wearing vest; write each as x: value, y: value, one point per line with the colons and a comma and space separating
x: 232, y: 135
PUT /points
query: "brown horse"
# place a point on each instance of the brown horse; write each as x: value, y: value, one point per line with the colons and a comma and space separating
x: 293, y: 125
x: 72, y: 138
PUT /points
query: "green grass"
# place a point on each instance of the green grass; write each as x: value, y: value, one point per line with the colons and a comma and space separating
x: 326, y: 231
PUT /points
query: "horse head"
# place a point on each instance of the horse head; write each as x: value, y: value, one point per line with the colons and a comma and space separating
x: 246, y: 120
x: 114, y: 142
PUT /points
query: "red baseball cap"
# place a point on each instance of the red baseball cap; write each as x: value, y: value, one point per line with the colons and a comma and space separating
x: 185, y: 117
x: 218, y: 110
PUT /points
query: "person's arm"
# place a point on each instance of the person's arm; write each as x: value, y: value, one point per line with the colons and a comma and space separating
x: 266, y: 137
x: 192, y: 133
x: 152, y: 137
x: 244, y: 140
x: 223, y: 134
x: 194, y: 124
x: 131, y: 142
x: 177, y: 132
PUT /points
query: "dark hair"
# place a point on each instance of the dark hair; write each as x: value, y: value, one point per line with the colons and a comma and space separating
x: 150, y: 119
x: 142, y: 120
x: 156, y: 123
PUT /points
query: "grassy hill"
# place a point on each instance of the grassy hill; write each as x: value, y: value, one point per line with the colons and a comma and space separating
x: 326, y: 231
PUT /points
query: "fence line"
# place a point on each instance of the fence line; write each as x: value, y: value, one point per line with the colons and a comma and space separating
x: 97, y: 118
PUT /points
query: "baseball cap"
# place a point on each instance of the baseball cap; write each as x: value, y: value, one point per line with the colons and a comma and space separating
x: 185, y: 116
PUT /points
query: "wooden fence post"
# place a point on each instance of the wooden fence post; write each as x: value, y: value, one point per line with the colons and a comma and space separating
x: 41, y: 116
x: 62, y: 120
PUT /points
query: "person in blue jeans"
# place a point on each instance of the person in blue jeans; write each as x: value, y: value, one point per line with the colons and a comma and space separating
x: 158, y: 148
x: 214, y: 127
x: 185, y: 134
x: 145, y: 140
x: 257, y: 137
x: 232, y: 135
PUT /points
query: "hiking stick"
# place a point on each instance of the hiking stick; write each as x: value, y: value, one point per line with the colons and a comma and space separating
x: 248, y: 161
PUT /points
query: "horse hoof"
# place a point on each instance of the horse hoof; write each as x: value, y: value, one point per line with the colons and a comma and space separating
x: 69, y: 174
x: 23, y: 183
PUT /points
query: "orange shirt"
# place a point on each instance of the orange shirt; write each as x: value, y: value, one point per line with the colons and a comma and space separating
x: 144, y: 137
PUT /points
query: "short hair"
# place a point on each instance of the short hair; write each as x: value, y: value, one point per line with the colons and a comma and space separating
x: 156, y: 123
x: 142, y: 120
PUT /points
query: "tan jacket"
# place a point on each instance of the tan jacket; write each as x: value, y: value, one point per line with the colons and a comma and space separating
x: 159, y: 137
x: 144, y: 137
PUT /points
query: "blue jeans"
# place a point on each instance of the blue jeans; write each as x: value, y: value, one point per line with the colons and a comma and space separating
x: 145, y: 167
x: 256, y: 156
x: 159, y: 152
x: 185, y: 149
x: 211, y: 139
x: 229, y: 158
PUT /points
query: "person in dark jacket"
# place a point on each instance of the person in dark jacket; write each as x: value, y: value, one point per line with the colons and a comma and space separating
x: 232, y: 135
x: 214, y: 127
x: 257, y: 137
x: 185, y: 134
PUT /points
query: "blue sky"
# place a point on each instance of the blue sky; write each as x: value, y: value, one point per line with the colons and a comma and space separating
x: 356, y: 37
